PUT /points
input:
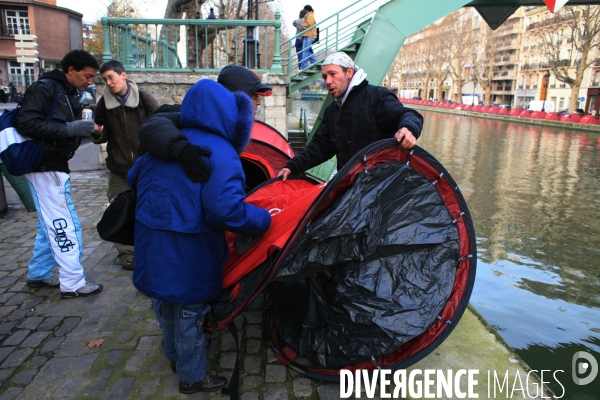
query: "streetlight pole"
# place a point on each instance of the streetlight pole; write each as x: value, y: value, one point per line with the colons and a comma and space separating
x: 250, y: 42
x: 212, y: 15
x: 251, y: 48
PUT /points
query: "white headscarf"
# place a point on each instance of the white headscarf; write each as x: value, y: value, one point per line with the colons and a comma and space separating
x: 343, y: 60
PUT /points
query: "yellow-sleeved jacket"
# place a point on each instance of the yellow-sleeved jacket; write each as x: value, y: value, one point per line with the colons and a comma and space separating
x: 309, y: 20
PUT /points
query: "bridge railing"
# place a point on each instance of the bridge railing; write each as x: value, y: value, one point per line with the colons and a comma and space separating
x: 167, y: 45
x: 336, y: 33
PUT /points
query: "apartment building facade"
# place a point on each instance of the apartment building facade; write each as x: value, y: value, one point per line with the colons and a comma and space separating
x: 536, y: 80
x: 58, y: 31
x: 521, y: 73
x: 506, y: 59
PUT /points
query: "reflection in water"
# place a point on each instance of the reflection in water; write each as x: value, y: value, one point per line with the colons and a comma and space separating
x: 312, y: 107
x: 534, y: 195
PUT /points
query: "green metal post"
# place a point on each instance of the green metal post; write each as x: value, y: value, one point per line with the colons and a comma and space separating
x: 172, y: 55
x: 337, y: 29
x: 148, y: 49
x: 165, y: 50
x: 276, y: 66
x: 124, y: 47
x: 128, y: 45
x: 106, y: 56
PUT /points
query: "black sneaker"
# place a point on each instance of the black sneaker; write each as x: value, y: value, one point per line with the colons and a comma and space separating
x: 48, y: 282
x: 89, y: 289
x: 209, y: 384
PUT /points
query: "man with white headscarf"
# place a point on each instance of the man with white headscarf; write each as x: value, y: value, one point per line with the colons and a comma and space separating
x: 361, y: 114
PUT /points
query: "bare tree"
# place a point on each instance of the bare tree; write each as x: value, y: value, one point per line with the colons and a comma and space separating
x: 433, y: 56
x: 460, y: 38
x: 425, y: 57
x: 440, y: 66
x: 427, y: 54
x: 568, y: 38
x: 482, y: 58
x: 407, y: 64
x: 118, y: 9
x: 200, y: 46
x: 198, y: 38
x: 391, y: 79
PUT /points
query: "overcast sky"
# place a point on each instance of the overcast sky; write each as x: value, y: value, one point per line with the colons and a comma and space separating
x: 92, y: 10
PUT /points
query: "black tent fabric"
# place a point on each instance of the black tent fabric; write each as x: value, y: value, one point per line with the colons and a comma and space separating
x: 376, y: 273
x: 373, y: 272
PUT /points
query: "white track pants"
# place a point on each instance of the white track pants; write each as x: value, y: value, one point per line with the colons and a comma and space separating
x: 59, y: 238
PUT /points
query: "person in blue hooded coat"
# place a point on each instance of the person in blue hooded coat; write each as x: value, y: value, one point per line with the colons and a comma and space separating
x: 180, y: 226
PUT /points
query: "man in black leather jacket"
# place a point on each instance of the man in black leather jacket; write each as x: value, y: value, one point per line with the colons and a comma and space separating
x: 58, y: 126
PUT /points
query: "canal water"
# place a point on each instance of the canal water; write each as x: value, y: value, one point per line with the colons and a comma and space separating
x: 534, y: 195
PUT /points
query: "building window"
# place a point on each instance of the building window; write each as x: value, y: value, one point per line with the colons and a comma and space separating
x: 17, y: 22
x: 18, y: 76
x: 561, y: 104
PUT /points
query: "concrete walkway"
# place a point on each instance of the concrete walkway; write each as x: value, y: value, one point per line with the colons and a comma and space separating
x: 42, y: 339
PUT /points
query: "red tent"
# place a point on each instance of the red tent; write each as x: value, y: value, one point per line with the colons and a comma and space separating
x: 266, y: 154
x: 374, y: 268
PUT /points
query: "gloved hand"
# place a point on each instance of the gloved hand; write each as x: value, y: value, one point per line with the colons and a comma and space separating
x: 243, y: 243
x: 80, y: 128
x: 192, y: 163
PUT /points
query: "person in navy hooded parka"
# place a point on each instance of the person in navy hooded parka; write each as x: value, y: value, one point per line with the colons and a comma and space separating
x: 180, y: 244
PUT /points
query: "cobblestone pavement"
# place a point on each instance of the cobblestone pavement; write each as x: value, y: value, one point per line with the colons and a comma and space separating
x: 42, y: 338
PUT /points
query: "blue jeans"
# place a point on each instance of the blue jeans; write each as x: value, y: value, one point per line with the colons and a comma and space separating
x: 183, y: 330
x: 307, y: 52
x: 298, y: 46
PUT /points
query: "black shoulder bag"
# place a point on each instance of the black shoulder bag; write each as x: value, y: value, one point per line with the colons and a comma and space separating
x: 118, y: 220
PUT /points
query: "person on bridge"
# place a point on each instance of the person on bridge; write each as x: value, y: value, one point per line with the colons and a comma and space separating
x: 119, y: 115
x: 361, y: 114
x: 160, y: 134
x: 59, y: 237
x: 298, y: 25
x: 307, y: 55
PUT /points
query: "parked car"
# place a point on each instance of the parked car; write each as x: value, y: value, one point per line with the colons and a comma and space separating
x: 539, y: 105
x: 88, y: 98
x: 577, y: 111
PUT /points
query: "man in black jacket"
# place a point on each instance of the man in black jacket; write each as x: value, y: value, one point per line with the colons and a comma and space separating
x: 51, y: 114
x: 361, y: 114
x: 119, y: 115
